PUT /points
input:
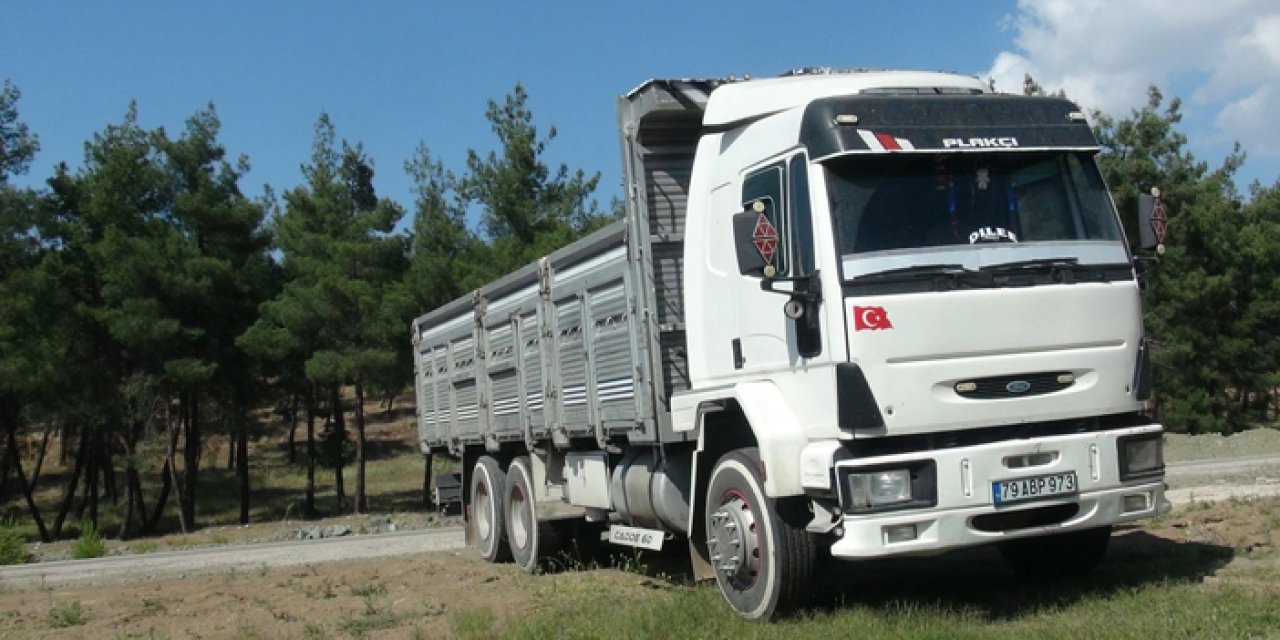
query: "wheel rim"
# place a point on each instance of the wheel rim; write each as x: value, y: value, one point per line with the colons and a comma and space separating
x: 734, y: 541
x: 484, y: 512
x: 519, y: 517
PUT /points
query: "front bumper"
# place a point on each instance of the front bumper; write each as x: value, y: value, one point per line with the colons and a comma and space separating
x: 964, y: 513
x: 939, y: 530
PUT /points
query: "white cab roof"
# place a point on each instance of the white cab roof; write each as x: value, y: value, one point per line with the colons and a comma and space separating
x: 740, y: 101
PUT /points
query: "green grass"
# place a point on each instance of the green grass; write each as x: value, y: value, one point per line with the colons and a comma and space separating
x: 89, y: 544
x: 145, y: 546
x: 478, y: 624
x: 1148, y: 587
x: 64, y: 615
x: 1167, y: 609
x: 13, y: 546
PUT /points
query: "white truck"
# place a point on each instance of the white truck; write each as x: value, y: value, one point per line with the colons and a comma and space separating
x: 861, y: 314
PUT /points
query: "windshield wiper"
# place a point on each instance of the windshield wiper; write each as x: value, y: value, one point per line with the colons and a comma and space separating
x: 1063, y: 270
x: 953, y: 273
x: 915, y: 271
x: 1035, y: 263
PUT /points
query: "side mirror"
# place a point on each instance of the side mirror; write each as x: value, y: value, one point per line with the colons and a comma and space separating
x: 749, y: 227
x: 1153, y: 220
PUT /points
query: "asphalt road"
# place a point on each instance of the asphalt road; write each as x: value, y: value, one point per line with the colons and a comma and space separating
x: 254, y: 557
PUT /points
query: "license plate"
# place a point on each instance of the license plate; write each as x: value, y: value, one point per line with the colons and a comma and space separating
x: 1017, y: 490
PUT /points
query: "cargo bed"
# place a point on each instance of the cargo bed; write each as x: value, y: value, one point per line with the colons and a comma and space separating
x: 588, y: 343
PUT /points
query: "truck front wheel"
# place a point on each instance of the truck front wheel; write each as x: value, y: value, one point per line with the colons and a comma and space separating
x: 1056, y: 556
x: 763, y: 561
x: 531, y: 541
x: 488, y: 483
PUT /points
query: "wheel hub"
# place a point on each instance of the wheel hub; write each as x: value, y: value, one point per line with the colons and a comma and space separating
x: 733, y: 541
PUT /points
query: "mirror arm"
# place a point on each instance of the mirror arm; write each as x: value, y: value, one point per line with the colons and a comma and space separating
x: 810, y: 293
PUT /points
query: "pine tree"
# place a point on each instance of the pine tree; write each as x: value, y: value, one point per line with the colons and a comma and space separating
x: 340, y: 262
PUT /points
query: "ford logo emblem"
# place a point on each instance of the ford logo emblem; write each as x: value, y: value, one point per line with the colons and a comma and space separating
x: 1018, y: 386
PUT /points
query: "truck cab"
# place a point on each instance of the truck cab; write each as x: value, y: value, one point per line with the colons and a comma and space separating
x: 918, y: 295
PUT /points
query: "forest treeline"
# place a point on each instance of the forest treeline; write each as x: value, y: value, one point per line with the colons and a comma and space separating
x: 145, y: 299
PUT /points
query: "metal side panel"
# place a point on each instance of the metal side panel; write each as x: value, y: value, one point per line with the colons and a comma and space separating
x: 613, y: 359
x: 571, y: 356
x: 531, y: 370
x: 419, y: 388
x: 424, y: 390
x: 504, y: 394
x: 463, y: 391
x: 504, y: 383
x: 434, y: 366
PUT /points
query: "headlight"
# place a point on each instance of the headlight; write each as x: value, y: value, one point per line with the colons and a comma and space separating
x: 879, y: 487
x: 1141, y: 456
x: 887, y: 487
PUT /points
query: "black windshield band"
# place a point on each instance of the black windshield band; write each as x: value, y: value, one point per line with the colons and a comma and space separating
x: 941, y: 123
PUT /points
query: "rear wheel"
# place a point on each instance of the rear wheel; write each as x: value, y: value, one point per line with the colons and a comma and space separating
x: 488, y: 483
x: 531, y: 541
x: 763, y: 562
x: 1057, y: 556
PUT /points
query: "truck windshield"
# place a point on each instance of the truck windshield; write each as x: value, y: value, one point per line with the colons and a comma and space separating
x: 896, y: 202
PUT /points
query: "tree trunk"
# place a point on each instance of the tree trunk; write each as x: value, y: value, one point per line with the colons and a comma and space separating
x: 4, y: 470
x: 134, y: 486
x: 126, y: 521
x: 339, y: 437
x: 427, y: 502
x: 90, y: 480
x: 362, y: 504
x: 171, y: 465
x: 64, y: 436
x: 109, y: 470
x: 191, y: 457
x: 22, y: 482
x: 292, y: 415
x: 242, y: 460
x: 134, y: 506
x: 44, y: 447
x: 95, y: 466
x: 309, y: 506
x: 69, y: 495
x: 166, y: 484
x: 232, y: 450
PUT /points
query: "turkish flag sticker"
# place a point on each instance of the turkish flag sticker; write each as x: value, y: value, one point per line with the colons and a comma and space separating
x: 870, y: 319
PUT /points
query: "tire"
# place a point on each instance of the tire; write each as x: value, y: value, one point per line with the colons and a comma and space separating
x: 488, y: 512
x: 763, y: 562
x: 531, y: 541
x: 1056, y: 556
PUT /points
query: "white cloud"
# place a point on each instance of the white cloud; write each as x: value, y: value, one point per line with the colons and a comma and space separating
x: 1222, y: 54
x: 1251, y: 120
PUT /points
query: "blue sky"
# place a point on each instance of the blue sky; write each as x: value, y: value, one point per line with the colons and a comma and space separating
x: 391, y: 74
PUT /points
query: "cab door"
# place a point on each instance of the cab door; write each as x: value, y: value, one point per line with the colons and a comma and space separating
x: 783, y: 235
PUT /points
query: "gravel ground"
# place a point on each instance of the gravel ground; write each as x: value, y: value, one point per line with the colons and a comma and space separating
x: 1180, y: 447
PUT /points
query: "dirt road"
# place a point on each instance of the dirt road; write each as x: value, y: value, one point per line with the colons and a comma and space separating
x: 254, y: 557
x: 250, y: 557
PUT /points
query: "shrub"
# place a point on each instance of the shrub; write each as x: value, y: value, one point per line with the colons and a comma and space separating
x: 13, y: 548
x: 61, y: 616
x: 89, y: 545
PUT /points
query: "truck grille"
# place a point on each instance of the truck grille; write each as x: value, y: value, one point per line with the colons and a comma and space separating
x: 1014, y: 386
